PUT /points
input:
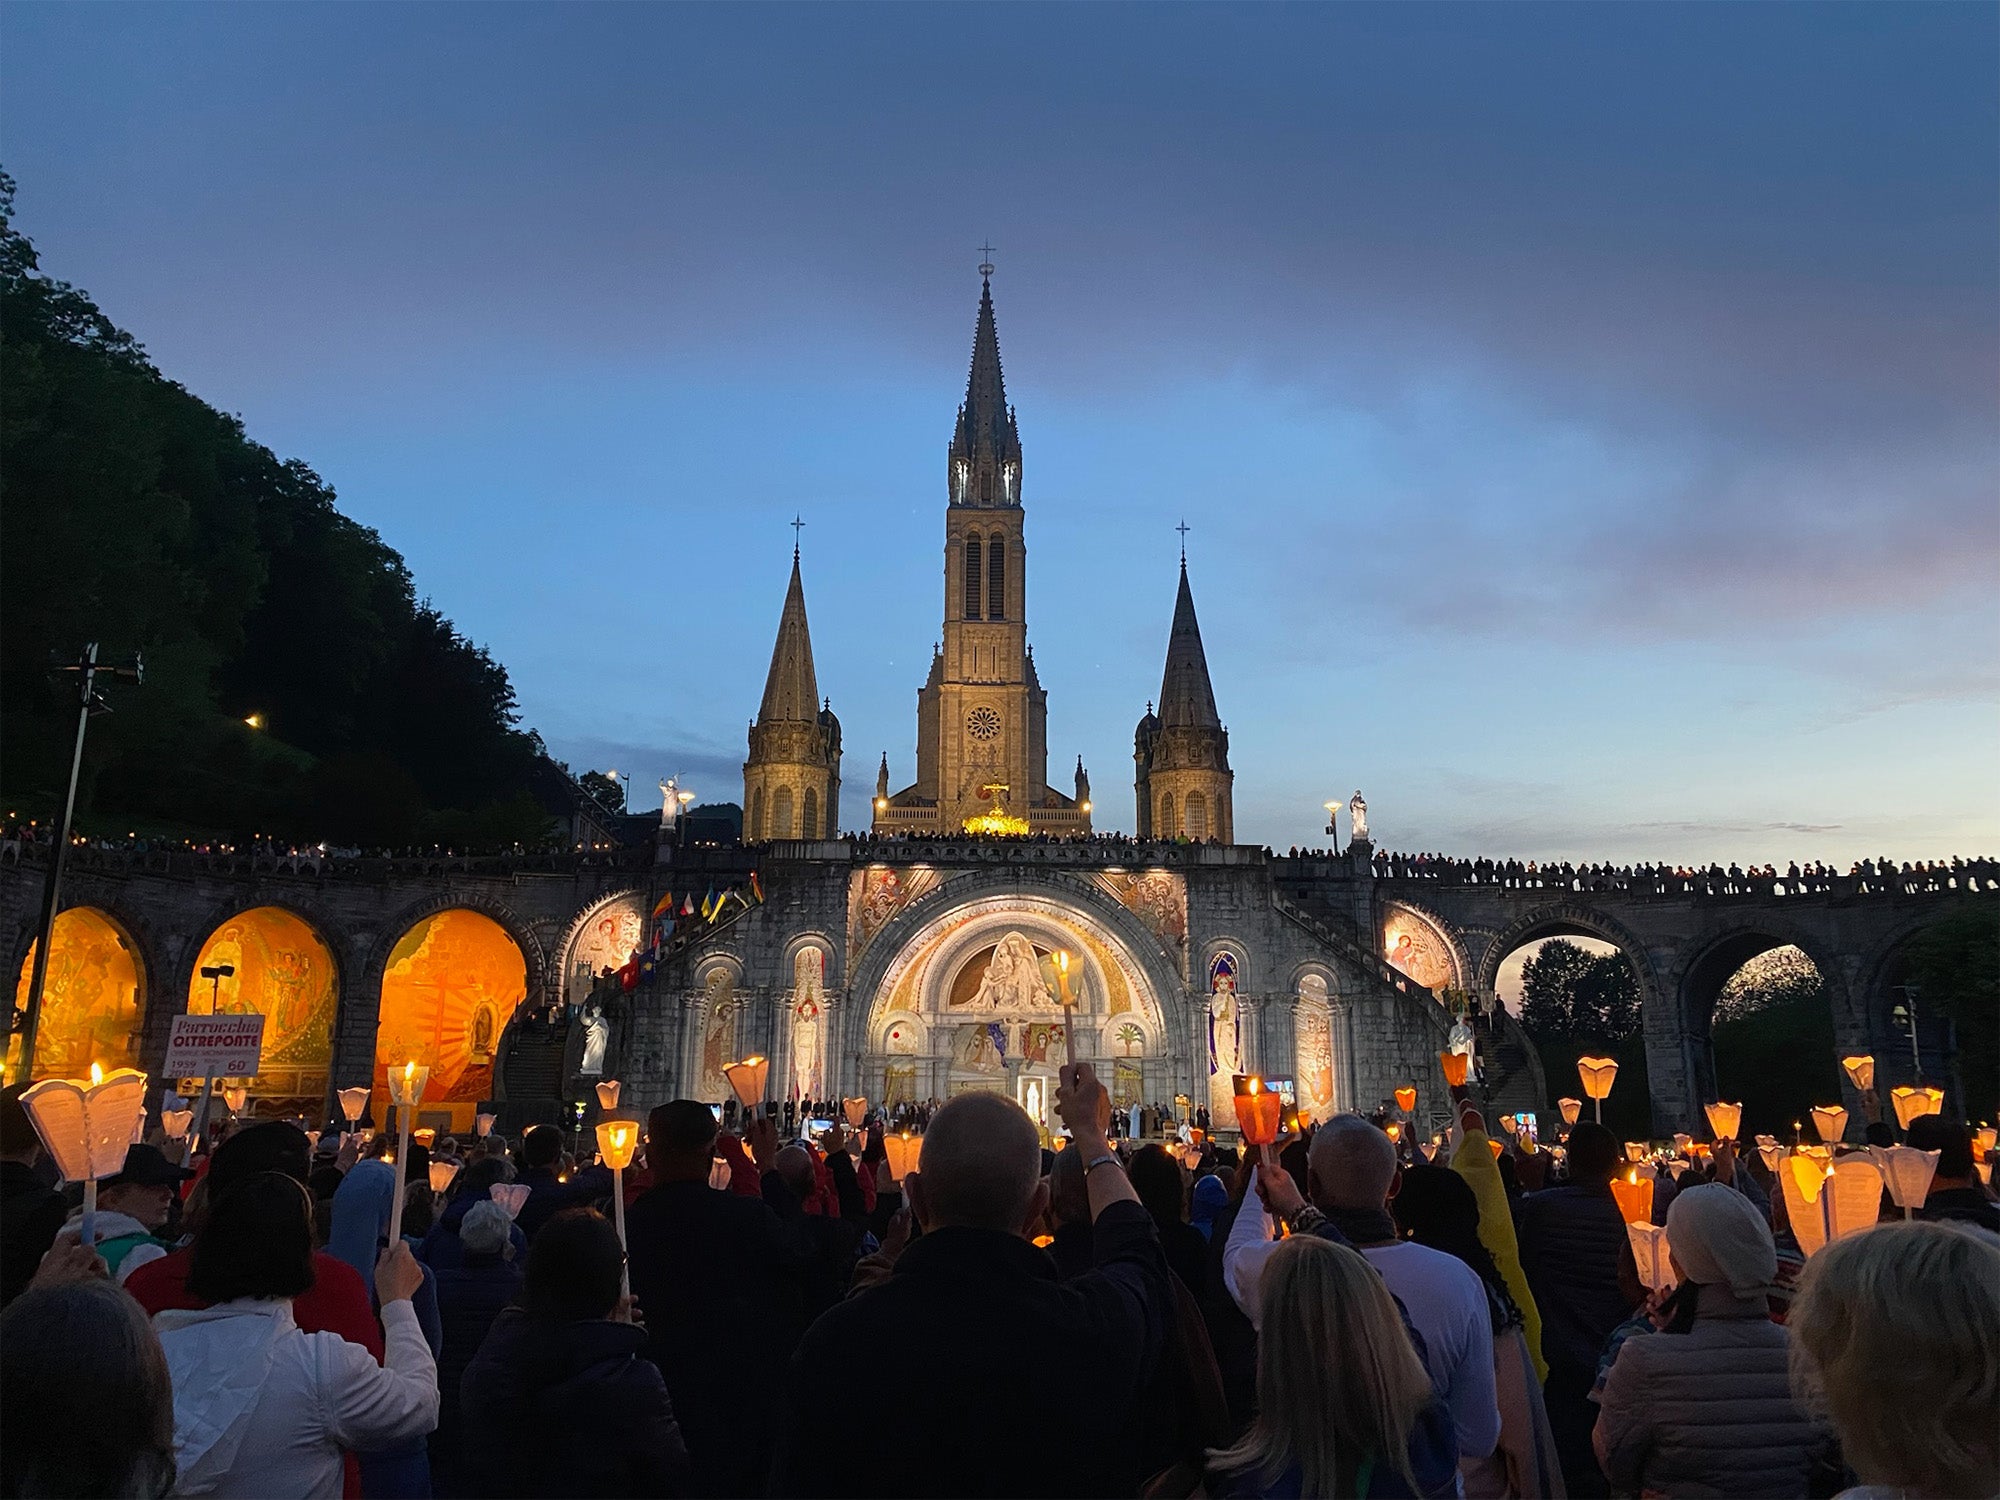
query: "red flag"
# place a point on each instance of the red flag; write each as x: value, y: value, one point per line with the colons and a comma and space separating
x: 666, y: 905
x: 628, y: 977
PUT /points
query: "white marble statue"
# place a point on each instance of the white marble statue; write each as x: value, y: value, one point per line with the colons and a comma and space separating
x: 1357, y: 813
x: 596, y: 1040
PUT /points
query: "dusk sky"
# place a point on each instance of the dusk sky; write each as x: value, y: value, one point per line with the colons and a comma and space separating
x: 1585, y: 415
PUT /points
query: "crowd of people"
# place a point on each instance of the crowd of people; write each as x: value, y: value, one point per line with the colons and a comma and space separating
x: 1327, y: 1316
x: 1863, y: 877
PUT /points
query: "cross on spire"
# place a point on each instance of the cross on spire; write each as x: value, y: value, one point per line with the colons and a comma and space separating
x: 986, y: 260
x: 798, y: 525
x: 1183, y: 529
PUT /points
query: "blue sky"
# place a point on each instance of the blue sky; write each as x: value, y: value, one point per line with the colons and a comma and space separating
x: 1585, y: 413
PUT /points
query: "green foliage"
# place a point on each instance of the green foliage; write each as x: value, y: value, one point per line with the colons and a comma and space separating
x: 604, y: 790
x: 138, y: 516
x: 1628, y: 1113
x: 1779, y: 1059
x: 1582, y: 997
x: 1783, y: 976
x: 1956, y: 963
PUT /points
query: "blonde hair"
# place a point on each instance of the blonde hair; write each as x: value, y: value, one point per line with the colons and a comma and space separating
x: 1896, y: 1338
x: 1338, y: 1382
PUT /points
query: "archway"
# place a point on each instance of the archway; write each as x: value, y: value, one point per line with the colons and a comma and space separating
x: 283, y: 971
x: 1759, y: 1030
x: 93, y: 998
x: 603, y: 937
x: 1579, y: 983
x: 1902, y: 995
x: 452, y: 983
x: 1418, y: 944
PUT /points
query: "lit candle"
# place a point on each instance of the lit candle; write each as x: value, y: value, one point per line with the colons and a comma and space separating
x: 406, y: 1091
x: 87, y: 1128
x: 617, y: 1142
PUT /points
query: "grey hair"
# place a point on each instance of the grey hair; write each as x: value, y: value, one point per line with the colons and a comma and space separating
x: 485, y: 1229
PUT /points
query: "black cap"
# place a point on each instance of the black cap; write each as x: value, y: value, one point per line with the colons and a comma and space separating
x: 146, y: 1167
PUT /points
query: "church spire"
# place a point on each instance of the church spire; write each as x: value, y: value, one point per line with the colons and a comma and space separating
x: 985, y: 459
x: 791, y: 691
x: 1186, y: 696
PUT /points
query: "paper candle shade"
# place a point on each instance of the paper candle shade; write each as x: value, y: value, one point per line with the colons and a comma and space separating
x: 1509, y: 1124
x: 1497, y: 1149
x: 617, y: 1142
x: 482, y: 1125
x: 1597, y: 1074
x: 1406, y: 1099
x: 905, y: 1152
x: 1682, y: 1140
x: 1635, y: 1151
x: 1913, y: 1103
x: 442, y: 1173
x: 1675, y: 1168
x: 175, y: 1123
x: 607, y: 1094
x: 1257, y: 1110
x: 1394, y: 1130
x: 1454, y: 1066
x: 719, y: 1173
x: 87, y: 1128
x: 1774, y: 1156
x: 1634, y: 1192
x: 1860, y: 1071
x: 746, y: 1079
x: 425, y: 1136
x: 407, y: 1083
x: 1653, y: 1255
x: 1820, y: 1204
x: 1984, y: 1139
x: 312, y: 1140
x: 510, y: 1196
x: 1570, y: 1108
x: 1830, y: 1120
x: 352, y: 1102
x: 1907, y: 1172
x: 856, y: 1110
x: 1725, y: 1120
x: 236, y: 1097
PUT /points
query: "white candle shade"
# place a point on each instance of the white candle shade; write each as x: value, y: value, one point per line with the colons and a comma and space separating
x: 407, y: 1083
x: 1914, y: 1103
x: 87, y: 1127
x: 1570, y: 1108
x: 1725, y: 1120
x: 236, y: 1097
x: 905, y: 1151
x: 510, y: 1196
x: 1597, y: 1075
x: 1860, y: 1071
x: 352, y: 1103
x: 617, y: 1142
x: 1653, y: 1255
x: 1908, y: 1173
x: 1830, y: 1120
x: 856, y: 1110
x: 175, y: 1123
x: 746, y: 1079
x: 607, y: 1094
x: 719, y: 1173
x: 1823, y: 1204
x: 442, y: 1173
x: 482, y: 1125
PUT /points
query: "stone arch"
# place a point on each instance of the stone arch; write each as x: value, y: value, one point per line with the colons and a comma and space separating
x: 95, y: 996
x: 1710, y: 959
x: 1168, y: 827
x: 1865, y: 1023
x: 464, y: 991
x: 781, y: 826
x: 587, y: 945
x: 809, y: 815
x: 973, y: 577
x: 1436, y: 956
x: 996, y: 576
x: 287, y: 969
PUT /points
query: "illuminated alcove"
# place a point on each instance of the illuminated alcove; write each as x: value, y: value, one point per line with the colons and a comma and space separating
x: 452, y: 983
x: 92, y: 1000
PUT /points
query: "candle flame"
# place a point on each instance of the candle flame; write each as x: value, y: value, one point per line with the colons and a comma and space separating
x: 409, y: 1072
x: 96, y: 1074
x: 1062, y: 960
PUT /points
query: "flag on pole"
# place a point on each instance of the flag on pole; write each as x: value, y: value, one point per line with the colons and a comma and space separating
x: 665, y: 906
x: 628, y: 977
x: 687, y: 904
x: 756, y: 887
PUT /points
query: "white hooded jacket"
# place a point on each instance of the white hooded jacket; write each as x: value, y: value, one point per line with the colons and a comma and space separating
x: 262, y: 1409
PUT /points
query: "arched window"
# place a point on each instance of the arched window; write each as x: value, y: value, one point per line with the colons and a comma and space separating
x: 1166, y: 830
x: 972, y: 577
x: 781, y: 814
x: 809, y: 829
x: 996, y: 577
x: 1196, y: 813
x: 755, y: 832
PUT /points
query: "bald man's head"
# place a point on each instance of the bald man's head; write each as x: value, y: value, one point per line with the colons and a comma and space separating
x: 981, y: 1165
x: 1352, y: 1164
x: 795, y: 1165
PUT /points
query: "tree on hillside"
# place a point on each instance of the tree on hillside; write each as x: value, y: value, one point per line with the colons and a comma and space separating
x: 1781, y: 977
x: 135, y: 515
x: 1956, y: 964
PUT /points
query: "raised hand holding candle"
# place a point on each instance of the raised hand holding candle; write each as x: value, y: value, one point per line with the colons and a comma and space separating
x: 406, y: 1092
x: 1725, y: 1119
x: 87, y: 1128
x: 746, y: 1079
x: 1257, y: 1110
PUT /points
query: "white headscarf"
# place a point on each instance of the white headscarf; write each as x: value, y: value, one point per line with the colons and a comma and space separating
x: 1720, y: 1239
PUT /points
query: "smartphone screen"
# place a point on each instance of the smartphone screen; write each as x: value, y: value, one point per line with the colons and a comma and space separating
x: 817, y: 1128
x: 1524, y: 1125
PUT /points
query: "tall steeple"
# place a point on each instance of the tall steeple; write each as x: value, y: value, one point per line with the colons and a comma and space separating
x: 791, y: 690
x: 791, y: 782
x: 1186, y: 695
x: 1181, y: 753
x: 984, y: 465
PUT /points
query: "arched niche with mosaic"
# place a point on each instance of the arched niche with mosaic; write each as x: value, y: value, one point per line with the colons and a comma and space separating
x: 603, y: 938
x: 93, y: 998
x: 1416, y: 946
x: 720, y: 1012
x: 1313, y: 1044
x: 1225, y: 1034
x: 283, y: 971
x: 452, y: 983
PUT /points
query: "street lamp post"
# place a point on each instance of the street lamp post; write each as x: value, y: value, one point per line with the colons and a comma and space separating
x: 89, y: 701
x: 214, y: 974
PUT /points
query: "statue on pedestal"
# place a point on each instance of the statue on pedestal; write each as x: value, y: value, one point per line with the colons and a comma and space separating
x: 1357, y: 813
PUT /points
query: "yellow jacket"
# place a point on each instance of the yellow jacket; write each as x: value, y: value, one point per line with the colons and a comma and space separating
x: 1475, y: 1162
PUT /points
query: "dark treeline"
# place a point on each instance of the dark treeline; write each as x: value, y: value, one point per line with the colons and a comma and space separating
x: 137, y: 515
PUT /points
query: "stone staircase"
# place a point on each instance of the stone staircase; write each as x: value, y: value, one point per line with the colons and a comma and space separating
x: 529, y: 1077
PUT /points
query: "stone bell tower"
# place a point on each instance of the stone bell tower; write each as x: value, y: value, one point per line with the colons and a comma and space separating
x: 982, y: 716
x: 791, y: 782
x: 1181, y: 750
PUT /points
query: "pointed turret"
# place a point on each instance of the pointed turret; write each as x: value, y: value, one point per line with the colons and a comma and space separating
x: 1186, y: 696
x: 985, y: 455
x: 791, y: 691
x: 1181, y: 751
x: 791, y: 782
